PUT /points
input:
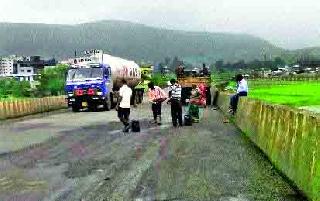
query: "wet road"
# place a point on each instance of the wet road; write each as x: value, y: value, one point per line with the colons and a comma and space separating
x: 85, y: 156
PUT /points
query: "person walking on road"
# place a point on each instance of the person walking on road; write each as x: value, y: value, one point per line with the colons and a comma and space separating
x: 123, y: 105
x: 176, y: 105
x: 156, y: 97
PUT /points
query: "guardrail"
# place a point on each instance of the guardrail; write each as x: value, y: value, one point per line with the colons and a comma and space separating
x: 24, y: 107
x: 289, y: 137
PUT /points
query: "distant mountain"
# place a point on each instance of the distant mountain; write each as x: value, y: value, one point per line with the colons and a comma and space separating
x: 129, y: 40
x: 312, y: 52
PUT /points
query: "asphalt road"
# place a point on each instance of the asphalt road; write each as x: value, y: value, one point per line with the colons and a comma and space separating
x: 84, y: 156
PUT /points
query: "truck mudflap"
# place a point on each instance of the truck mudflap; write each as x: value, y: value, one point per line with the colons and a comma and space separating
x: 91, y: 102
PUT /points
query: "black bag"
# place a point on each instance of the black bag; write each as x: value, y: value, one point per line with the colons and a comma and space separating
x: 135, y: 126
x: 187, y: 120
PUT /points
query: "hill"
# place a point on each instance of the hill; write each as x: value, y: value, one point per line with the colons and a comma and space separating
x: 129, y: 40
x: 311, y: 52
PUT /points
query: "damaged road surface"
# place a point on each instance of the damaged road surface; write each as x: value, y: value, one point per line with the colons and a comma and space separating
x: 85, y: 156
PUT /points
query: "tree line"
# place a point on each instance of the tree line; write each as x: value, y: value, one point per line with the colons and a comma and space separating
x: 222, y: 65
x: 255, y: 64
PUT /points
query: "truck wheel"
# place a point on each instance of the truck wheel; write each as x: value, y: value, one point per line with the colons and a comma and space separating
x: 107, y: 105
x: 75, y: 108
x: 113, y: 102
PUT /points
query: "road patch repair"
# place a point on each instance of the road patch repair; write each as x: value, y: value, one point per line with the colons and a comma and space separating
x: 88, y: 159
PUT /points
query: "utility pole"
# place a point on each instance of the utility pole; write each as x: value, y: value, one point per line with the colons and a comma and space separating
x: 102, y: 56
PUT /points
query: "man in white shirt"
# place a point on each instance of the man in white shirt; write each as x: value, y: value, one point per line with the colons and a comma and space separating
x: 242, y: 90
x: 124, y: 104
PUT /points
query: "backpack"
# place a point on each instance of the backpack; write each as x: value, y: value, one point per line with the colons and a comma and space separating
x: 187, y: 120
x: 135, y: 126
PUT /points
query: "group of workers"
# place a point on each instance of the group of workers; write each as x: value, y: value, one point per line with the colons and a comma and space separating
x: 157, y: 96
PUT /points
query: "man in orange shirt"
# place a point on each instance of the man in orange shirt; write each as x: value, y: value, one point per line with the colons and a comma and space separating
x: 156, y: 97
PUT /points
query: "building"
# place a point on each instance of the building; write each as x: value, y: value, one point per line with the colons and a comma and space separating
x: 23, y: 68
x: 23, y: 65
x: 6, y: 66
x: 34, y: 62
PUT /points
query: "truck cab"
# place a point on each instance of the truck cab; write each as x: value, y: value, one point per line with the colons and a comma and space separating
x: 89, y: 86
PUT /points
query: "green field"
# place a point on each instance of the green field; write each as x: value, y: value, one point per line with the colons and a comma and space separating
x: 292, y: 93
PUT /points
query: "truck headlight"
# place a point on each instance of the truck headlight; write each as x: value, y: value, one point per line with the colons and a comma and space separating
x: 99, y: 93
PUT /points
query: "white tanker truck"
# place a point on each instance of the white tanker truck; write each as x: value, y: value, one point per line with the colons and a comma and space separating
x: 93, y: 80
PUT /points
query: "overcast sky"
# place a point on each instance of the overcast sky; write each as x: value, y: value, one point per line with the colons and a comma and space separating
x: 287, y: 23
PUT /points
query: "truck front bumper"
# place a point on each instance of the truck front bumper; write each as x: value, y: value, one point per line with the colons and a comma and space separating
x: 86, y: 100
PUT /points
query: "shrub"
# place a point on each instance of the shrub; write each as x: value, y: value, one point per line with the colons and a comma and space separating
x: 52, y: 81
x: 10, y: 87
x: 161, y: 79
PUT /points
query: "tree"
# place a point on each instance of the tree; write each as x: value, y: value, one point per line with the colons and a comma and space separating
x: 52, y: 80
x: 279, y: 62
x: 176, y: 62
x: 10, y: 87
x: 21, y: 89
x: 219, y: 65
x: 161, y: 80
x: 167, y: 61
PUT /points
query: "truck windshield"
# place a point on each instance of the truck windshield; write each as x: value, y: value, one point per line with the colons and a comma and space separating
x: 85, y: 73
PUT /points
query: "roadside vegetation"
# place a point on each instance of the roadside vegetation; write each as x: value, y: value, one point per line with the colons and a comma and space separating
x: 162, y: 79
x: 292, y: 93
x: 13, y: 89
x: 50, y: 83
x: 223, y: 80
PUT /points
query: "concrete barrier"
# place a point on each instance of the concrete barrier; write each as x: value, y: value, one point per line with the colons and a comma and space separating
x: 288, y: 136
x: 23, y: 107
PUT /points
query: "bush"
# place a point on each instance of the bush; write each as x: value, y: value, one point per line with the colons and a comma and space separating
x: 21, y: 89
x: 10, y: 87
x: 52, y: 81
x: 161, y: 80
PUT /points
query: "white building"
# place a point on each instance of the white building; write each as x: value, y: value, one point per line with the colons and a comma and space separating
x: 10, y: 67
x: 6, y: 66
x: 25, y: 70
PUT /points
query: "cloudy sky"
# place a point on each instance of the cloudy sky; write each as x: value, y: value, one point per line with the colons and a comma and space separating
x: 287, y: 23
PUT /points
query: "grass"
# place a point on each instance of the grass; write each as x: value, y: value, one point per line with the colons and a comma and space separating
x: 292, y: 93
